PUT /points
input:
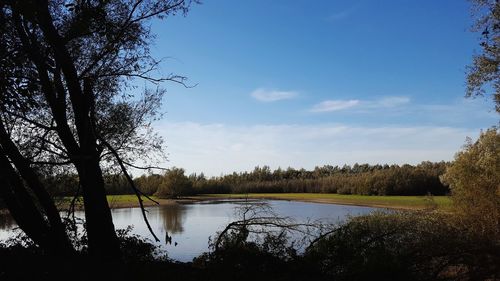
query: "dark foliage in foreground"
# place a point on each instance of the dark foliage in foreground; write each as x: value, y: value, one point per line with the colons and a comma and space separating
x: 381, y: 246
x: 405, y: 246
x: 401, y: 246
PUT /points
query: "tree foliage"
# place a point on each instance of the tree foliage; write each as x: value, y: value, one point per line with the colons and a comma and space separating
x: 474, y: 179
x: 174, y: 184
x: 484, y: 74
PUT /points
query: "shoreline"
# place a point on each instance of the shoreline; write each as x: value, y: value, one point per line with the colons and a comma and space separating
x: 197, y: 199
x: 301, y: 197
x: 386, y: 202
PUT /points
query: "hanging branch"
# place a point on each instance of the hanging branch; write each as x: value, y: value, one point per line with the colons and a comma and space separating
x: 137, y: 192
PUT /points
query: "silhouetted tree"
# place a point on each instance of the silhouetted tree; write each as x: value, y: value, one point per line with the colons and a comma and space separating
x: 65, y: 72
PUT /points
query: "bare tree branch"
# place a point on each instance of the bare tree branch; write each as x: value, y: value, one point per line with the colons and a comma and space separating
x: 144, y: 167
x: 137, y: 192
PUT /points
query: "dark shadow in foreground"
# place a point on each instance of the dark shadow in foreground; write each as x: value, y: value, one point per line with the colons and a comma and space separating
x: 380, y: 246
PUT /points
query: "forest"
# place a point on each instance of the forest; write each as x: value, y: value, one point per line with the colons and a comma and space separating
x: 362, y: 179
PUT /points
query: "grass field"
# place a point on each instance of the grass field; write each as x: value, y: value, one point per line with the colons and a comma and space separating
x: 129, y: 198
x: 114, y: 201
x: 394, y: 202
x: 397, y: 202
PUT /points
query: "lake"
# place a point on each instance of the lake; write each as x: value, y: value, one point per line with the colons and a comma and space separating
x: 191, y: 225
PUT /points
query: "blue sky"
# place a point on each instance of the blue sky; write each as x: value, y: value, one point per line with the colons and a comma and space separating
x: 306, y: 83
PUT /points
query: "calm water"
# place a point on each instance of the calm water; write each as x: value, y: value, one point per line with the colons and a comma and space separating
x: 191, y: 225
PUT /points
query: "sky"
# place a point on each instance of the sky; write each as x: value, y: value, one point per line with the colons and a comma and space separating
x: 310, y: 83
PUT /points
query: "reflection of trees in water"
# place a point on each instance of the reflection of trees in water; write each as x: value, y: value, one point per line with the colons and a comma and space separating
x: 6, y: 221
x: 173, y: 217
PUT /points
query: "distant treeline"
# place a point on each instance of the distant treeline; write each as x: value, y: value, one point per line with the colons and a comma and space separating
x: 67, y: 185
x: 357, y: 179
x: 365, y: 179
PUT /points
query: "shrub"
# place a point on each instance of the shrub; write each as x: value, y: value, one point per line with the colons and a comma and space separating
x: 404, y: 246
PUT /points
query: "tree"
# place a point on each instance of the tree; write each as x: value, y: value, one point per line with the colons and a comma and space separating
x: 174, y: 184
x: 474, y: 179
x: 484, y: 73
x: 65, y: 78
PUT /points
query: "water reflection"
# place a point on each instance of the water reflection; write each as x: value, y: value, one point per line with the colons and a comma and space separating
x: 173, y: 217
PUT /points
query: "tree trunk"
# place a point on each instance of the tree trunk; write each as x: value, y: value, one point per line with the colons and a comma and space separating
x: 30, y: 219
x: 58, y: 239
x: 20, y: 205
x: 102, y: 239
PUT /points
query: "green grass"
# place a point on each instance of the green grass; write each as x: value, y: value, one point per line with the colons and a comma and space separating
x: 129, y: 198
x: 113, y: 200
x: 403, y: 202
x: 397, y: 202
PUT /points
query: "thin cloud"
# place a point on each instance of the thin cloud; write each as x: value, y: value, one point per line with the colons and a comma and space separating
x: 337, y: 105
x: 391, y: 101
x: 334, y: 105
x: 265, y: 95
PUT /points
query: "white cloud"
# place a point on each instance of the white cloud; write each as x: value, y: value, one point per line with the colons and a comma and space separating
x: 265, y: 95
x: 333, y: 105
x: 384, y: 102
x: 217, y: 148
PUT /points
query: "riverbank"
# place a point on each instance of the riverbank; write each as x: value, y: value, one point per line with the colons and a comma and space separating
x: 391, y: 202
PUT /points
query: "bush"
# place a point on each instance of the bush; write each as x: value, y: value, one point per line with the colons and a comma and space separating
x: 404, y: 246
x: 380, y: 246
x: 136, y: 248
